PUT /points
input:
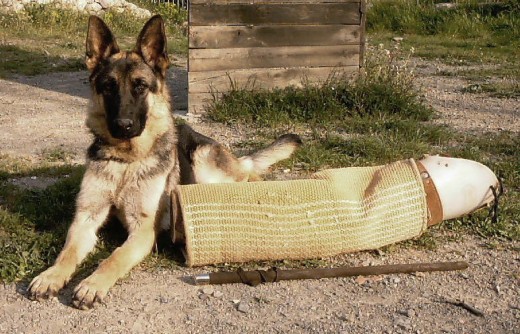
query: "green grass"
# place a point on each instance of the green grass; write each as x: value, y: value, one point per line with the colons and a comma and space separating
x: 480, y: 41
x: 33, y: 224
x: 496, y: 22
x: 48, y: 39
x: 385, y: 89
x: 504, y: 89
x: 472, y: 33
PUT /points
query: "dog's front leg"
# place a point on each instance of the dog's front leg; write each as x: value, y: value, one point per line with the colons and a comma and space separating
x: 140, y: 215
x: 92, y: 208
x: 94, y: 288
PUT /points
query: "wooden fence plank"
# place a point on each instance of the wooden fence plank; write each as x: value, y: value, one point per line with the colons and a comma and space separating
x: 266, y: 44
x: 257, y: 14
x: 291, y: 56
x: 199, y: 101
x: 213, y: 37
x: 250, y: 79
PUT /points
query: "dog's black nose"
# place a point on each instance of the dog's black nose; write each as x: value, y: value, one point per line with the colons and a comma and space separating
x: 124, y: 123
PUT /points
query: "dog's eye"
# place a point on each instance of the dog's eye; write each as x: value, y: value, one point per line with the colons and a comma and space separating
x: 140, y: 86
x: 109, y: 87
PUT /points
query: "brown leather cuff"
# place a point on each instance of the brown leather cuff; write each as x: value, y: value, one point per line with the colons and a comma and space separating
x: 432, y: 196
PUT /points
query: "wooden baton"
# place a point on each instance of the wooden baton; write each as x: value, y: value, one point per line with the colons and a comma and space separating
x: 256, y: 277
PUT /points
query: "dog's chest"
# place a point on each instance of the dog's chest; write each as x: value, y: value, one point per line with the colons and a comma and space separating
x: 138, y: 180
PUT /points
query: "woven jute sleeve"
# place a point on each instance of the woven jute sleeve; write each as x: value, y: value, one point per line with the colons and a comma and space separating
x: 336, y: 211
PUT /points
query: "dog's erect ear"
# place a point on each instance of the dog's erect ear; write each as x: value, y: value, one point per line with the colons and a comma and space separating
x: 151, y: 45
x: 101, y: 43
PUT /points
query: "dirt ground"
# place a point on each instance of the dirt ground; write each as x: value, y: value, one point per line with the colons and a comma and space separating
x: 47, y: 112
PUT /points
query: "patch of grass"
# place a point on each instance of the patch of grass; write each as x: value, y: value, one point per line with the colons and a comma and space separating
x: 172, y: 14
x: 452, y: 50
x: 46, y: 38
x: 11, y: 167
x: 468, y: 19
x: 474, y: 31
x: 496, y: 80
x: 33, y: 226
x: 385, y: 88
x: 57, y: 154
x: 19, y: 61
x: 503, y: 89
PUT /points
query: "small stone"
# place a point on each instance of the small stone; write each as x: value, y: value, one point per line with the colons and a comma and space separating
x: 403, y: 323
x: 361, y: 280
x: 203, y: 296
x: 163, y: 300
x: 236, y: 301
x: 218, y: 294
x: 207, y: 290
x: 243, y: 307
x: 398, y: 39
x: 407, y: 313
x: 397, y: 280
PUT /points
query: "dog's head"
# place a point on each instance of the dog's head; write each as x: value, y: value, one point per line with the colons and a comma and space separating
x: 123, y: 81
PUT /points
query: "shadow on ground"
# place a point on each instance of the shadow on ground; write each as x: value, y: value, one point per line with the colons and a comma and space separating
x: 68, y: 76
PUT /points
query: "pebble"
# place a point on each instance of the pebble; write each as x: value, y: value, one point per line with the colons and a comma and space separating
x: 218, y: 294
x: 163, y: 300
x: 403, y: 323
x: 207, y: 290
x: 243, y: 307
x: 408, y: 313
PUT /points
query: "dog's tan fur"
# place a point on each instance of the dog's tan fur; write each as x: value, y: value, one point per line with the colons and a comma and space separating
x: 132, y: 174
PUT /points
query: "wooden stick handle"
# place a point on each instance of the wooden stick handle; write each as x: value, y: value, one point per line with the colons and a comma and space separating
x: 256, y: 277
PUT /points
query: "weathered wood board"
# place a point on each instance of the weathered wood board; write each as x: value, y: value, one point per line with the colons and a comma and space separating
x: 262, y: 44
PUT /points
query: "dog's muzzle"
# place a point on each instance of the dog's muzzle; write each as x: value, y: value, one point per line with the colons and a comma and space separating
x: 125, y: 128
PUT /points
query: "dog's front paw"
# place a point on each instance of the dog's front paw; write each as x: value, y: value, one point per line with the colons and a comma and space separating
x: 47, y: 284
x: 88, y: 293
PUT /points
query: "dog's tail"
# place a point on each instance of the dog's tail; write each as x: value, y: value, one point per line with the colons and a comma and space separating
x: 260, y: 161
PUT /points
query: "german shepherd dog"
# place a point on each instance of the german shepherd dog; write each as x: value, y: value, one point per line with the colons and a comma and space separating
x: 137, y: 158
